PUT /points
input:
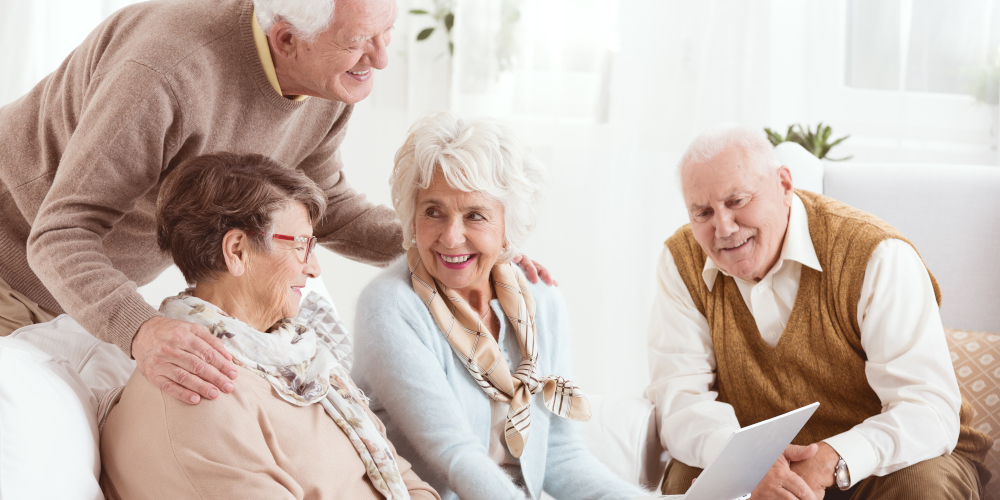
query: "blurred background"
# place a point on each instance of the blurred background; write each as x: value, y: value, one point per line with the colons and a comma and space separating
x: 608, y: 93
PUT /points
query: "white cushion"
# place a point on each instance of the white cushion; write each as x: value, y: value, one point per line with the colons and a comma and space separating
x: 949, y: 212
x: 622, y: 435
x: 100, y: 365
x: 48, y: 427
x: 807, y: 170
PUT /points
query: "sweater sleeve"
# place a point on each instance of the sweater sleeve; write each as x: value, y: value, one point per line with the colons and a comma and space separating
x: 571, y: 471
x: 393, y: 362
x: 352, y: 226
x: 124, y: 137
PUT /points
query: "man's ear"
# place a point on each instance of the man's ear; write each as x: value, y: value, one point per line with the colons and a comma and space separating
x: 284, y: 43
x: 785, y: 178
x: 235, y: 251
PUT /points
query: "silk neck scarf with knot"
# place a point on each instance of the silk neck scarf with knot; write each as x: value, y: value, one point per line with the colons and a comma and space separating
x: 480, y: 354
x: 302, y: 369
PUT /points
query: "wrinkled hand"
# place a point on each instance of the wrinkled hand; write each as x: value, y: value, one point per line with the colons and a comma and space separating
x: 818, y: 470
x: 533, y: 270
x: 183, y: 359
x: 781, y: 482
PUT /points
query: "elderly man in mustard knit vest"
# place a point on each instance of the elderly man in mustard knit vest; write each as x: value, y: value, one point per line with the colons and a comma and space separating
x: 83, y: 155
x: 773, y: 298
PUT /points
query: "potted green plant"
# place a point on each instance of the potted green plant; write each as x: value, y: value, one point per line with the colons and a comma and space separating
x: 444, y: 17
x: 816, y: 141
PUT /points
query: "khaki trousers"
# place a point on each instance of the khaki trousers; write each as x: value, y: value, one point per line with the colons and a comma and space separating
x: 942, y: 478
x: 16, y: 310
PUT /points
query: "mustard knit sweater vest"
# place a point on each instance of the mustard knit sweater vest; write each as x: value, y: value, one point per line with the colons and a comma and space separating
x: 819, y: 356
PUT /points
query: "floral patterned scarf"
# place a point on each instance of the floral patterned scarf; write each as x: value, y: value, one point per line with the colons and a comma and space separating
x: 300, y: 366
x: 480, y: 353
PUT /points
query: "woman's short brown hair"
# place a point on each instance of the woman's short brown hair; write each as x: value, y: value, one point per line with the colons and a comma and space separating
x: 206, y: 196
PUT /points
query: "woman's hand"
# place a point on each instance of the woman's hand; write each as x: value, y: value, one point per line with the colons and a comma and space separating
x: 533, y: 270
x: 183, y: 359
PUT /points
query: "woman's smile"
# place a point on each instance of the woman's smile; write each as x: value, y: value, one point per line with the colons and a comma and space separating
x: 460, y: 261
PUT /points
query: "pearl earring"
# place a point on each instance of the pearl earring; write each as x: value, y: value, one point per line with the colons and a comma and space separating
x: 413, y: 240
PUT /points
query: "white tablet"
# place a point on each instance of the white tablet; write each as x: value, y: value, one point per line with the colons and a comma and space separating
x: 747, y: 456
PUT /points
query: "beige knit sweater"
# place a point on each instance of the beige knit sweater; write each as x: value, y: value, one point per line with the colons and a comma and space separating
x: 246, y: 445
x: 82, y: 156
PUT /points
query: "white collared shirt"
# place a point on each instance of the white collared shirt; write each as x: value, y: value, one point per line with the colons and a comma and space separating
x: 908, y: 365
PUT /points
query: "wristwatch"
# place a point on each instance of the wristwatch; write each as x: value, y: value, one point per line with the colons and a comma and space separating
x: 841, y: 475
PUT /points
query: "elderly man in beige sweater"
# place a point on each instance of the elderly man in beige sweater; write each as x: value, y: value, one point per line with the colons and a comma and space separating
x: 82, y: 156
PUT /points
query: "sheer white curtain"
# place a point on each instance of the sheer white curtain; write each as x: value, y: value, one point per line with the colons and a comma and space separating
x: 607, y: 94
x: 934, y: 46
x: 37, y: 35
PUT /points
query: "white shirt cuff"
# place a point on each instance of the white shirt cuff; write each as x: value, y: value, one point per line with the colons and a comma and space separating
x: 715, y: 442
x: 857, y: 452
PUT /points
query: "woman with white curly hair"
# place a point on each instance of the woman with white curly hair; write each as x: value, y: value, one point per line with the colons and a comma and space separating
x: 465, y: 361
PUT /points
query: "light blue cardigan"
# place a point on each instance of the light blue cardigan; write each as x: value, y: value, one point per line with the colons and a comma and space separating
x: 439, y: 419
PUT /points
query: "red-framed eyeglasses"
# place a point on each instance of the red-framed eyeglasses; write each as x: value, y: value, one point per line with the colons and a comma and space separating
x: 309, y: 241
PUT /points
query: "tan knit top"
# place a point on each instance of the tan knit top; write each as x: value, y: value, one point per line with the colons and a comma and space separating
x: 84, y: 153
x: 249, y: 444
x: 820, y: 356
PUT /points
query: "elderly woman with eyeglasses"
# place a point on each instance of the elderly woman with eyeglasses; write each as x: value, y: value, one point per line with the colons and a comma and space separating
x: 295, y: 426
x: 466, y: 362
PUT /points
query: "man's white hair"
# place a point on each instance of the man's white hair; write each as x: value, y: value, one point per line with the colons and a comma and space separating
x: 308, y: 18
x: 753, y: 142
x: 475, y: 156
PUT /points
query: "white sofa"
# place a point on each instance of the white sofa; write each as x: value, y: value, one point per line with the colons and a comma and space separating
x: 951, y: 213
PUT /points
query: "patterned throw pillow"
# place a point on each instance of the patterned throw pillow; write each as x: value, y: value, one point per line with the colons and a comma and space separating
x: 322, y: 316
x: 976, y: 356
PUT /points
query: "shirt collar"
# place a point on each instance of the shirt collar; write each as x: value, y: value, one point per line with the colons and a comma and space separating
x: 798, y: 245
x: 260, y: 40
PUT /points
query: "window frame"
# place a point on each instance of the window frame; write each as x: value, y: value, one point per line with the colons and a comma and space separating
x: 916, y: 126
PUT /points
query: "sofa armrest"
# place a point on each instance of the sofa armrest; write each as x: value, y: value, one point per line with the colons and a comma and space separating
x: 622, y: 435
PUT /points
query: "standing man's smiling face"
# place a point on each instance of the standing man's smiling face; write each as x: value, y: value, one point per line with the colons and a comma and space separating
x: 338, y: 64
x: 738, y: 211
